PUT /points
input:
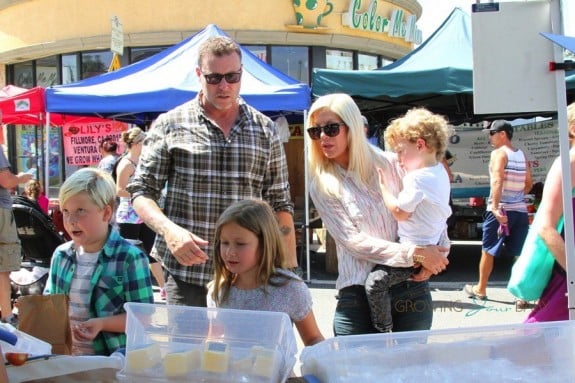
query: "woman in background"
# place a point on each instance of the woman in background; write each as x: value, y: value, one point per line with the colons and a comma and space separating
x: 131, y: 226
x: 553, y: 305
x: 108, y: 148
x: 33, y: 191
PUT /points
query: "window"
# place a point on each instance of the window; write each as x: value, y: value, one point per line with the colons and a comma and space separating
x: 24, y: 75
x: 47, y: 71
x: 70, y: 69
x: 337, y: 59
x: 385, y: 61
x: 95, y: 63
x: 293, y: 61
x: 258, y: 50
x: 366, y: 62
x: 139, y: 54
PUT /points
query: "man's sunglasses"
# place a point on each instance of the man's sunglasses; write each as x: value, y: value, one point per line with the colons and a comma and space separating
x: 216, y: 78
x: 330, y: 130
x: 494, y: 132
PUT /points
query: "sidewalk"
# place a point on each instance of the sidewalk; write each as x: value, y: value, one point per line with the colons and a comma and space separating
x: 451, y: 307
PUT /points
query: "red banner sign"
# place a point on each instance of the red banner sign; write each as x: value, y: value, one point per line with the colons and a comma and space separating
x: 82, y: 140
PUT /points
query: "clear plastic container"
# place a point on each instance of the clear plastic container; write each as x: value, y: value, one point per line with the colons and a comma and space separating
x: 14, y: 340
x: 193, y: 344
x: 541, y: 352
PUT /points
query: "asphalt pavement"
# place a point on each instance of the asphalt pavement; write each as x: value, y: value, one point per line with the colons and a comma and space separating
x: 452, y: 309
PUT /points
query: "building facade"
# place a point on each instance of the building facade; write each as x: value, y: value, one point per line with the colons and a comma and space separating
x: 51, y: 42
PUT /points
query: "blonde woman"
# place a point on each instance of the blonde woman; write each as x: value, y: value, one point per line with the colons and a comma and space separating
x: 344, y: 186
x: 130, y: 224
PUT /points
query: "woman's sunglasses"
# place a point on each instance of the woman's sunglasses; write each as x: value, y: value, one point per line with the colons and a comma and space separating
x: 330, y: 130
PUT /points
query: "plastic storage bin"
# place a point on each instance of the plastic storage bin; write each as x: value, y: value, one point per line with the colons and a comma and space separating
x: 541, y: 352
x: 193, y: 344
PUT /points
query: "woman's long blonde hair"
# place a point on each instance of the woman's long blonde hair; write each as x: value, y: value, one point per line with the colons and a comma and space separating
x: 258, y: 217
x: 362, y: 155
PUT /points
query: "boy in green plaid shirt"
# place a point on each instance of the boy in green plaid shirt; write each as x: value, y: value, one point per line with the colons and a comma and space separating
x: 99, y: 270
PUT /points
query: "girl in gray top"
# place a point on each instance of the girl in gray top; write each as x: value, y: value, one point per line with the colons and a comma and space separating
x: 250, y: 272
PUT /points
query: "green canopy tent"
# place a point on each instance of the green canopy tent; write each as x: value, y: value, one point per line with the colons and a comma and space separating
x: 437, y: 75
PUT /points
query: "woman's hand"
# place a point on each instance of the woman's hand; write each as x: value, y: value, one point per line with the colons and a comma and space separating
x: 185, y: 246
x: 431, y: 258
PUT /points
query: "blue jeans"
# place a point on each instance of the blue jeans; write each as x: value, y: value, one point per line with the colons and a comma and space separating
x: 411, y: 309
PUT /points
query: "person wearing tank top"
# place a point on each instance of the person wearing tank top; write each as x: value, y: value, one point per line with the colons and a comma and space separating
x: 505, y: 221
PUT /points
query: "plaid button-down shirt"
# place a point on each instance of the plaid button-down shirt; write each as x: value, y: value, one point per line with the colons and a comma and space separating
x: 121, y: 276
x: 206, y: 171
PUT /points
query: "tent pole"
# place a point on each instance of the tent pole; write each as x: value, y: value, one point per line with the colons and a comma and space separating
x: 47, y: 156
x: 565, y: 161
x: 306, y: 205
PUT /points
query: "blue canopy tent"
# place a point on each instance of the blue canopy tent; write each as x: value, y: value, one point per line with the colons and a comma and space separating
x: 139, y: 92
x: 438, y: 75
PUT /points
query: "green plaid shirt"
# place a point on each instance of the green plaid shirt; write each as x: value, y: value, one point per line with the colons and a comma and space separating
x: 121, y: 276
x: 205, y: 172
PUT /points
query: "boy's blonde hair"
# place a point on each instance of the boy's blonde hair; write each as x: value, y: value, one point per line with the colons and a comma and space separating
x: 95, y: 182
x: 420, y: 123
x: 258, y: 217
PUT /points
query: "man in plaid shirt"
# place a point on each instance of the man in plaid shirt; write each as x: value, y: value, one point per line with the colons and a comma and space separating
x: 209, y: 153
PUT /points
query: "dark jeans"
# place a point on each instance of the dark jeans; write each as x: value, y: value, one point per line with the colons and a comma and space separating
x: 411, y: 309
x: 184, y: 294
x: 139, y: 231
x: 377, y: 287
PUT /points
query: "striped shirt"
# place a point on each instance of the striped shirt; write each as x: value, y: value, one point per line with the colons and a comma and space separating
x: 206, y: 171
x: 364, y: 230
x: 121, y: 275
x: 513, y: 188
x: 80, y: 298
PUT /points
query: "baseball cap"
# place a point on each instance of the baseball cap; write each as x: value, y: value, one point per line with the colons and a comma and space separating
x: 499, y: 126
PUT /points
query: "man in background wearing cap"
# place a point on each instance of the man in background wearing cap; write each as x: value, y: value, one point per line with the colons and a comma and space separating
x: 506, y: 219
x: 374, y: 140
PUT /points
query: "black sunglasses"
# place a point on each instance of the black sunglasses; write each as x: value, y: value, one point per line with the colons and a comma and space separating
x: 216, y: 78
x: 493, y: 132
x: 330, y: 130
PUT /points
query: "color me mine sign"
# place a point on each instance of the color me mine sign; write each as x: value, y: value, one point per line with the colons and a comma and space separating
x: 371, y: 20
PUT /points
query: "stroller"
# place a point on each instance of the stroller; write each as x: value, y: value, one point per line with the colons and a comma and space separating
x: 39, y: 238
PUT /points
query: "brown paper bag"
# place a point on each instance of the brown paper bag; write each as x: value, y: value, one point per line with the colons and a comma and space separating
x: 46, y: 317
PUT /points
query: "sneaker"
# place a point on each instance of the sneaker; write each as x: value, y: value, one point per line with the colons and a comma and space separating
x: 163, y: 294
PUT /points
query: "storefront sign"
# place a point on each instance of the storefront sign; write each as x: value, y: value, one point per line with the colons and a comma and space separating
x: 471, y: 153
x: 372, y: 20
x: 82, y: 141
x: 117, y: 40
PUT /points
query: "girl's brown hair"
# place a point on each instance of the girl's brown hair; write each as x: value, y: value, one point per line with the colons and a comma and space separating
x: 259, y: 218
